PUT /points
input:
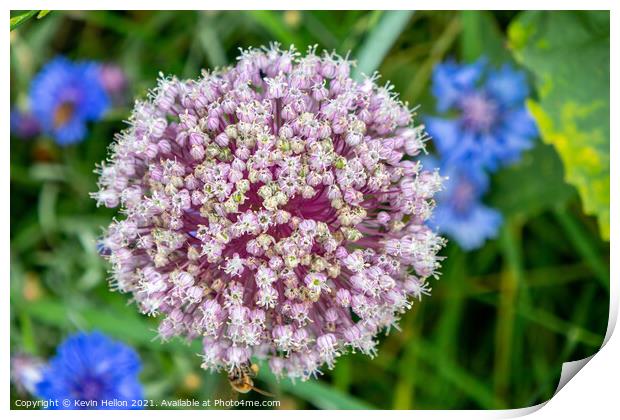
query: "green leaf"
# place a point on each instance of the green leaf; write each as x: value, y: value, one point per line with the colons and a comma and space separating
x: 127, y: 326
x: 518, y: 190
x: 584, y: 245
x: 29, y: 342
x: 568, y: 53
x: 19, y: 20
x: 481, y: 36
x: 380, y: 41
x: 210, y: 41
x: 272, y: 22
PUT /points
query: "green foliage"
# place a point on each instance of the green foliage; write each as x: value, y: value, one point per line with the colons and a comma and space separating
x: 500, y: 321
x: 379, y: 41
x: 19, y: 20
x: 481, y: 37
x: 315, y: 392
x: 568, y: 53
x: 518, y: 190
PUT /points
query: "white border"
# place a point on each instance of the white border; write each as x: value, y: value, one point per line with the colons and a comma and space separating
x: 593, y: 393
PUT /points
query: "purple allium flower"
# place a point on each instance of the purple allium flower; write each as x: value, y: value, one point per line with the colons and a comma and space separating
x: 269, y: 210
x: 26, y: 372
x: 460, y: 213
x: 491, y: 124
x: 24, y: 124
x: 64, y: 96
x: 92, y: 367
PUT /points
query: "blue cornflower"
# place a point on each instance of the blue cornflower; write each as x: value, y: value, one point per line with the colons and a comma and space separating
x: 65, y: 95
x: 459, y: 212
x: 486, y: 121
x: 92, y: 367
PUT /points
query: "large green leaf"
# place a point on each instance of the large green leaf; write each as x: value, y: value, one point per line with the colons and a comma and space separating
x: 568, y: 53
x: 532, y: 185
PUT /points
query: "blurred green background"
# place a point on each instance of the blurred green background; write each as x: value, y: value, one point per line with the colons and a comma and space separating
x: 499, y: 323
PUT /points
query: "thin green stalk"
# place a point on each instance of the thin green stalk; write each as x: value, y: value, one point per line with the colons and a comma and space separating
x: 380, y: 41
x: 582, y: 310
x: 210, y: 41
x: 404, y: 391
x: 342, y: 375
x: 440, y: 48
x: 272, y: 22
x: 450, y: 371
x: 29, y: 342
x: 550, y: 322
x: 510, y: 280
x: 453, y: 281
x: 584, y: 245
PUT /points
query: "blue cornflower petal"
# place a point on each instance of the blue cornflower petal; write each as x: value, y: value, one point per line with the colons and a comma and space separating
x: 446, y: 133
x: 467, y: 150
x: 459, y: 212
x: 491, y: 150
x: 507, y: 85
x: 519, y: 121
x: 92, y: 367
x: 460, y: 174
x: 451, y: 81
x: 65, y: 95
x: 98, y: 101
x: 515, y: 135
x: 491, y: 126
x: 471, y: 229
x: 73, y: 131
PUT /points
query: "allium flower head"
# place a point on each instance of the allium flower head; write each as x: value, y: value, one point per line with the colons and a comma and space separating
x: 487, y: 123
x: 268, y: 208
x: 65, y: 95
x: 460, y: 213
x: 91, y: 367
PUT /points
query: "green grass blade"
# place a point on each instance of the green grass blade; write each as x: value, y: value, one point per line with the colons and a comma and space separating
x: 468, y: 384
x: 551, y: 322
x: 19, y: 20
x: 380, y: 40
x: 128, y: 327
x: 29, y: 341
x: 511, y: 280
x: 481, y: 36
x: 342, y: 375
x: 439, y: 49
x: 584, y: 245
x: 272, y: 23
x: 210, y: 42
